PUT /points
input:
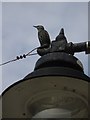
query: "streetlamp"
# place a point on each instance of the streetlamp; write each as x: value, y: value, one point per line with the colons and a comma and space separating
x: 57, y: 88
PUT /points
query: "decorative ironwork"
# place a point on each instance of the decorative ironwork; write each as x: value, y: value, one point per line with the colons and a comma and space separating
x: 60, y: 44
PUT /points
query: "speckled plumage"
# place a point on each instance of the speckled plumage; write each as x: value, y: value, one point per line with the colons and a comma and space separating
x: 43, y: 36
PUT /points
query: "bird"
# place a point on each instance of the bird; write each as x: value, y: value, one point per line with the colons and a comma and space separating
x: 43, y: 36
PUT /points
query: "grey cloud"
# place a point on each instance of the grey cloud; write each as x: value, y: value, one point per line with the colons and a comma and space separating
x: 19, y: 36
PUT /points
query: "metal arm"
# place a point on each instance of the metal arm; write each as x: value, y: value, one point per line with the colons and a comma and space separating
x: 78, y: 47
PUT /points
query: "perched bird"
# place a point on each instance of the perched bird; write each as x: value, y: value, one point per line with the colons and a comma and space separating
x: 43, y: 36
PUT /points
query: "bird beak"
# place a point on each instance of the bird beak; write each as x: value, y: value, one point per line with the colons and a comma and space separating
x: 35, y: 26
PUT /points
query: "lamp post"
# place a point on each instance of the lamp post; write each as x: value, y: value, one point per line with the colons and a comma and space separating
x: 57, y: 88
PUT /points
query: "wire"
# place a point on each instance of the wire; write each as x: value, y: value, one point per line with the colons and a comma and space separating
x: 8, y: 62
x: 31, y: 51
x: 33, y: 54
x: 21, y: 57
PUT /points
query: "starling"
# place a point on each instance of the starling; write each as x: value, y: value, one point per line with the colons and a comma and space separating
x: 43, y: 36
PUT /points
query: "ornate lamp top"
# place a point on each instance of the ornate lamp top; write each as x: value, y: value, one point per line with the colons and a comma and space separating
x: 60, y: 44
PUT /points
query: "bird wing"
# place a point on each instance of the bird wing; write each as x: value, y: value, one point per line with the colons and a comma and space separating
x: 44, y: 37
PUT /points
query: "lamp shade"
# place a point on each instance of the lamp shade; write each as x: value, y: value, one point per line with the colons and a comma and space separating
x: 57, y: 88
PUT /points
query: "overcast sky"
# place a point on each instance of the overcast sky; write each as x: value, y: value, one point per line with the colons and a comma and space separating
x: 19, y: 36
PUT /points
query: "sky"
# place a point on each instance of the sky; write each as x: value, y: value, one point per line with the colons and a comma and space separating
x: 19, y: 36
